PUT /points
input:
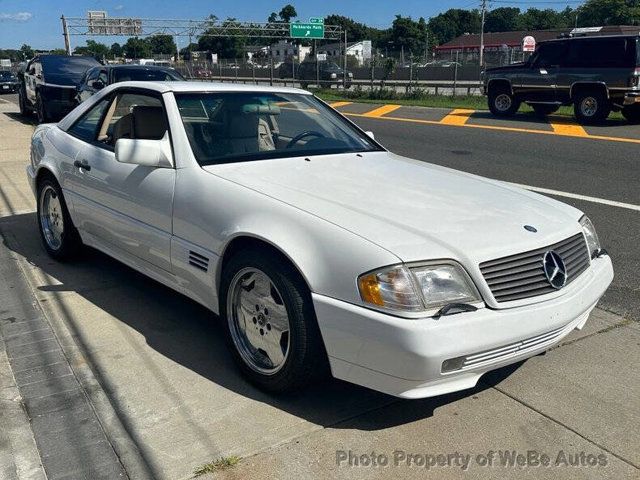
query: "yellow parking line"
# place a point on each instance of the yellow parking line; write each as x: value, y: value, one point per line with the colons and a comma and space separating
x: 564, y: 126
x: 459, y: 116
x: 380, y: 111
x: 499, y: 128
x: 339, y: 104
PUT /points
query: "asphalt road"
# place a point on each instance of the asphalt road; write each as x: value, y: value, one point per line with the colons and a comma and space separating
x: 595, y: 168
x: 602, y: 169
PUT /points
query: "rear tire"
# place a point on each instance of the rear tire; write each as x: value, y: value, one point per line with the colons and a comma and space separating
x: 24, y: 111
x: 542, y: 110
x: 591, y: 107
x: 41, y: 110
x: 261, y: 297
x: 632, y: 113
x: 57, y: 232
x: 502, y: 102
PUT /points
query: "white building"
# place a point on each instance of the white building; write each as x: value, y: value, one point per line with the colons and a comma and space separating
x: 284, y: 50
x: 361, y: 51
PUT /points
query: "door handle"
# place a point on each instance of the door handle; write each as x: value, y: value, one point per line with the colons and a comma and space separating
x: 82, y: 165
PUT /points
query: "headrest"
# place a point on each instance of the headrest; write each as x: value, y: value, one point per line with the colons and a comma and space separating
x: 149, y: 123
x: 261, y: 109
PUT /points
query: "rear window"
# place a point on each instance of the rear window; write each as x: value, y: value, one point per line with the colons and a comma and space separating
x: 63, y: 70
x: 145, y: 75
x: 602, y: 53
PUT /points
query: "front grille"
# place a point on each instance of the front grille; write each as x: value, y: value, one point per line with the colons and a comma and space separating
x: 522, y: 275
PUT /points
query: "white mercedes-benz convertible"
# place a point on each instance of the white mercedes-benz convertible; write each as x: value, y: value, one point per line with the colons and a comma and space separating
x: 316, y: 246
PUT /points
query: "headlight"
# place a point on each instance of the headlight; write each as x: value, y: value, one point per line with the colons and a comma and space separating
x: 417, y: 289
x: 350, y: 74
x: 333, y: 75
x: 590, y: 234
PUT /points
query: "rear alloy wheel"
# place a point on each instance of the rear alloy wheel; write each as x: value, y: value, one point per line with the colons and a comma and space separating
x: 542, y: 110
x: 59, y: 236
x: 270, y: 320
x: 591, y: 107
x: 502, y: 102
x: 632, y: 113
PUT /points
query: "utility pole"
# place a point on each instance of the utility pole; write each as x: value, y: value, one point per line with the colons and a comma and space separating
x: 65, y: 34
x: 483, y: 7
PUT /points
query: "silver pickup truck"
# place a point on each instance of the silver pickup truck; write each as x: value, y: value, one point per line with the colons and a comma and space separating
x: 596, y: 75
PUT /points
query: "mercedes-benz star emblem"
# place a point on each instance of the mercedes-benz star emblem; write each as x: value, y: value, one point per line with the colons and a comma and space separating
x: 554, y: 269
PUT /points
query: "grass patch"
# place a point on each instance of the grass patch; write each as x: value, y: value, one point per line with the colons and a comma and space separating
x: 217, y: 465
x: 420, y: 98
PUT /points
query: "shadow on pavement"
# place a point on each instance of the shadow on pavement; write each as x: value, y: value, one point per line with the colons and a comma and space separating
x: 191, y: 335
x: 29, y: 120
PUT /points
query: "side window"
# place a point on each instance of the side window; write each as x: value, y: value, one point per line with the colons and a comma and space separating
x: 103, y: 77
x: 87, y: 127
x: 551, y: 54
x: 134, y: 115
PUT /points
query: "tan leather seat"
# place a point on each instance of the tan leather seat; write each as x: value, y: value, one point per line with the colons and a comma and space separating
x: 149, y: 123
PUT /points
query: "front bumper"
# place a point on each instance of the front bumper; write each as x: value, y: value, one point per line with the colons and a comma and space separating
x: 632, y: 98
x: 8, y: 87
x: 405, y: 358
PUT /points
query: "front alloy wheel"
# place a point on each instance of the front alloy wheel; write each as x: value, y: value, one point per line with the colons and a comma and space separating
x: 258, y: 321
x: 270, y: 321
x: 502, y: 102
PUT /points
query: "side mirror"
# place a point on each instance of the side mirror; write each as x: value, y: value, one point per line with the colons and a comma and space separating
x: 97, y: 84
x: 147, y: 153
x: 370, y: 135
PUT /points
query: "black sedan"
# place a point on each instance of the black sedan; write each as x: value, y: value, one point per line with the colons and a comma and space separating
x: 99, y: 77
x: 8, y: 82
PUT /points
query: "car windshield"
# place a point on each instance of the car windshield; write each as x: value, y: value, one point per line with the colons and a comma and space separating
x: 331, y: 67
x: 64, y: 70
x: 145, y: 74
x: 236, y: 127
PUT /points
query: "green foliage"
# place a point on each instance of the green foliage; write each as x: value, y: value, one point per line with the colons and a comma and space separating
x: 26, y: 51
x: 225, y: 47
x: 116, y: 50
x: 93, y: 49
x: 162, y: 44
x: 137, y: 48
x: 609, y: 12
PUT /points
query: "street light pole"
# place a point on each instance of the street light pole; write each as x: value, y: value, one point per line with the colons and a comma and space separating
x: 483, y: 6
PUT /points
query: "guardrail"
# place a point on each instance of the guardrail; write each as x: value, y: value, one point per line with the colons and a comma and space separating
x: 471, y: 87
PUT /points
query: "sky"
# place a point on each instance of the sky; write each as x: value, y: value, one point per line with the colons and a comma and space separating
x: 37, y: 22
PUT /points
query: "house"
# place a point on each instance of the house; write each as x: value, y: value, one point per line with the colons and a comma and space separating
x: 285, y: 50
x: 361, y: 51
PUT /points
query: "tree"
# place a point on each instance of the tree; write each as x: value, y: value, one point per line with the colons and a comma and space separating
x: 535, y: 19
x: 225, y: 47
x: 503, y: 19
x: 136, y: 48
x: 355, y: 31
x: 453, y: 23
x: 93, y: 49
x: 287, y: 13
x: 409, y: 35
x: 162, y: 44
x: 595, y: 13
x: 185, y: 53
x: 27, y: 52
x: 116, y: 50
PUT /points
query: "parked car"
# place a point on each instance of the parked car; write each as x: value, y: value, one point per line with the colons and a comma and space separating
x: 594, y: 74
x: 202, y: 73
x: 316, y: 246
x: 95, y: 79
x: 329, y: 73
x: 49, y: 83
x: 8, y: 82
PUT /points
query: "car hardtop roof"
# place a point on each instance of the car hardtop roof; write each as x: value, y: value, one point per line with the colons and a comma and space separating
x: 138, y: 67
x: 205, y: 87
x: 589, y: 37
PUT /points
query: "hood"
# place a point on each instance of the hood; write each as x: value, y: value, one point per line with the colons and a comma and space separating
x: 413, y: 209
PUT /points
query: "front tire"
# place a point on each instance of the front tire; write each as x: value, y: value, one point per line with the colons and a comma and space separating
x: 41, y: 110
x: 22, y: 102
x: 502, y: 102
x: 270, y: 322
x: 591, y: 107
x: 57, y: 232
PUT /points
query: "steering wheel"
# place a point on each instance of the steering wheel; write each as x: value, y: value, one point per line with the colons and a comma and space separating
x: 308, y: 133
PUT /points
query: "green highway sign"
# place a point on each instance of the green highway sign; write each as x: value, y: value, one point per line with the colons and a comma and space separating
x: 316, y: 20
x: 306, y: 30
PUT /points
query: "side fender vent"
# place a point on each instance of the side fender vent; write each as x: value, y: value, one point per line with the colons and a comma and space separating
x: 199, y: 261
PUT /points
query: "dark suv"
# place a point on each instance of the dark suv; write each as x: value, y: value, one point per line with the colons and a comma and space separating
x: 594, y: 74
x: 329, y: 73
x: 8, y: 82
x: 49, y: 83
